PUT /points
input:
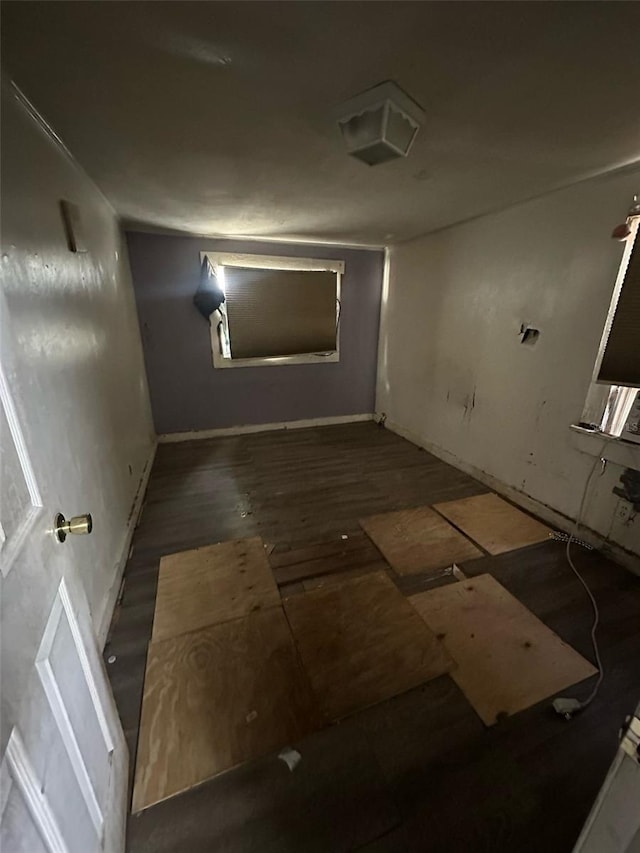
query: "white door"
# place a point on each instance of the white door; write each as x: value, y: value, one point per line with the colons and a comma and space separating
x: 614, y: 823
x: 63, y: 770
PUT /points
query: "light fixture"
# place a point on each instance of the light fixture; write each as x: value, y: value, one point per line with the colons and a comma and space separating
x: 380, y: 124
x: 622, y: 231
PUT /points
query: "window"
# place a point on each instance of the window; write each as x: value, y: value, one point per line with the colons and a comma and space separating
x: 277, y: 310
x: 620, y: 401
x: 616, y: 375
x: 619, y: 356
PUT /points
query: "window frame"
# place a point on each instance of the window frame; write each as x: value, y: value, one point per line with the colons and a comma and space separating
x: 218, y: 320
x: 630, y: 243
x: 613, y: 403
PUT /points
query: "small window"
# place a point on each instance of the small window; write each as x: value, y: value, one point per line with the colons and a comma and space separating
x: 619, y: 355
x: 276, y: 310
x: 616, y: 375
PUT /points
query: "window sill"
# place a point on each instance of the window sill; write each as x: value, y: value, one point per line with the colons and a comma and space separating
x: 613, y: 449
x: 219, y: 361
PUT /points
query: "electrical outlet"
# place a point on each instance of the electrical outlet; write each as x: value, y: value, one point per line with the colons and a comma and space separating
x: 623, y: 512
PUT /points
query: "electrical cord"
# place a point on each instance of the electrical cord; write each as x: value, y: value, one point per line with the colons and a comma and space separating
x: 564, y: 706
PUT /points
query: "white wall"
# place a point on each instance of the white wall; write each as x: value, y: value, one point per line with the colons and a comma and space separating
x: 75, y: 346
x: 452, y: 373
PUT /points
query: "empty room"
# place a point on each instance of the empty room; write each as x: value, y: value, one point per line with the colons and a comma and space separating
x: 320, y: 427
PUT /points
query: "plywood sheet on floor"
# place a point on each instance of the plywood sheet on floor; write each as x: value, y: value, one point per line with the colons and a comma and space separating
x: 213, y: 584
x: 217, y: 697
x: 507, y: 659
x: 361, y: 642
x: 418, y: 540
x: 493, y: 523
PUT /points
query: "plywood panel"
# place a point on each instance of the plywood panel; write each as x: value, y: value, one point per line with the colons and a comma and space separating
x: 217, y: 697
x: 418, y: 540
x: 210, y: 585
x: 493, y: 523
x: 362, y: 642
x: 507, y: 658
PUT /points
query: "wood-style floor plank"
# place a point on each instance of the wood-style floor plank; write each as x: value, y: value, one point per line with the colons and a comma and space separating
x: 324, y: 559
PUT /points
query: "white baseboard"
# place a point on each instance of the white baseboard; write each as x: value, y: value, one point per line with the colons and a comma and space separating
x: 546, y: 513
x: 136, y: 507
x: 172, y: 437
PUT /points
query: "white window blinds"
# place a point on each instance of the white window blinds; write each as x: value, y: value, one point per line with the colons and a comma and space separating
x: 273, y: 312
x: 620, y: 349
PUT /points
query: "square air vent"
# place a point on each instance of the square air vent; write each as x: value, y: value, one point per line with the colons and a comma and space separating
x: 380, y: 124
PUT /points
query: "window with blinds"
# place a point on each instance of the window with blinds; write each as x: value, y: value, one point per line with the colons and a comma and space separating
x: 619, y: 358
x: 284, y: 309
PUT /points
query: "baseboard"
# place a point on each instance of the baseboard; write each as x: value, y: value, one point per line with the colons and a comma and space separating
x: 172, y: 437
x: 548, y: 514
x: 134, y: 514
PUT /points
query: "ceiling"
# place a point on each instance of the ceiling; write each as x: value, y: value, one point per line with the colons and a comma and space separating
x: 218, y: 118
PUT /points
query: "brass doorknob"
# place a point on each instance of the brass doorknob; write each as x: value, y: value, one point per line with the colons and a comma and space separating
x: 78, y: 525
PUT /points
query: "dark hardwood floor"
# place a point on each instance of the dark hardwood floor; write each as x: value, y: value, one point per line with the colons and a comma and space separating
x: 419, y: 772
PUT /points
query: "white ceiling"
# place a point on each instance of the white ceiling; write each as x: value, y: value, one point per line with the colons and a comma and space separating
x: 217, y: 117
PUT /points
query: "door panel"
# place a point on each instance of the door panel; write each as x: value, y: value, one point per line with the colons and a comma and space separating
x: 18, y: 832
x: 61, y: 788
x: 26, y: 818
x: 74, y: 784
x: 74, y: 703
x: 20, y: 501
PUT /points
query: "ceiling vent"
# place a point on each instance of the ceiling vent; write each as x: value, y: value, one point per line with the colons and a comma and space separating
x: 380, y: 124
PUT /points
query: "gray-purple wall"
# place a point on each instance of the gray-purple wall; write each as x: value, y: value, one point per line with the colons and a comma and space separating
x: 187, y: 393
